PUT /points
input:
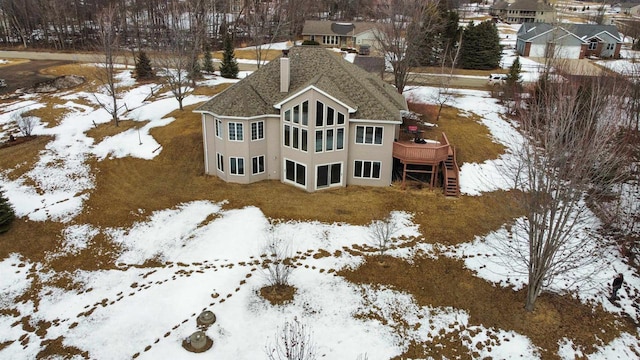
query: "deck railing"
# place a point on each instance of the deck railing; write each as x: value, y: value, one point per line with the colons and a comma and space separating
x: 412, y: 154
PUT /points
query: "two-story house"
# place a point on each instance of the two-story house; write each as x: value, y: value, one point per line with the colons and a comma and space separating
x: 523, y: 11
x: 342, y: 34
x: 309, y: 119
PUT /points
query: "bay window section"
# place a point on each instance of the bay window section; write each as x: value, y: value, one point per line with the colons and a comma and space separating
x: 257, y: 165
x: 237, y: 166
x: 219, y: 128
x: 235, y: 131
x: 257, y: 130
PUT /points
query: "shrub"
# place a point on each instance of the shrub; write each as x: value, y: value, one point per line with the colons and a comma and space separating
x: 7, y: 214
x: 310, y: 42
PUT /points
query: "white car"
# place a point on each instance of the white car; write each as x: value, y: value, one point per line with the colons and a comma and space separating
x: 497, y: 79
x: 3, y: 83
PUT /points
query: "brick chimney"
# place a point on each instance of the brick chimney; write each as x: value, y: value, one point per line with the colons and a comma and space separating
x: 285, y: 72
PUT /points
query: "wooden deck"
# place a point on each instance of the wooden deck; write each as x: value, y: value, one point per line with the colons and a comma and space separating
x: 433, y: 155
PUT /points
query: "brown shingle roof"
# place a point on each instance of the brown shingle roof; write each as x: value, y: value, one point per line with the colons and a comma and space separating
x: 323, y: 27
x: 310, y: 65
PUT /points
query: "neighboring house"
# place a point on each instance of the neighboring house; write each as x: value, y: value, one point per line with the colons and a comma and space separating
x: 629, y: 8
x: 309, y: 119
x: 341, y: 34
x: 523, y: 11
x: 568, y: 41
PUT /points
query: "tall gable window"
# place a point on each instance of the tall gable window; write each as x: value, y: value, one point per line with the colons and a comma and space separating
x: 295, y: 133
x: 257, y: 130
x: 329, y: 128
x: 235, y: 131
x: 369, y: 135
x: 593, y: 44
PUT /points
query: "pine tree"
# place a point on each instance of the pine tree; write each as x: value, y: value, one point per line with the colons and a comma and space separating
x: 207, y: 65
x: 480, y: 48
x: 7, y: 214
x: 512, y: 84
x: 144, y: 71
x: 229, y: 65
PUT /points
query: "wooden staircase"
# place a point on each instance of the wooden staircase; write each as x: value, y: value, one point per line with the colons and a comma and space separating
x: 451, y: 174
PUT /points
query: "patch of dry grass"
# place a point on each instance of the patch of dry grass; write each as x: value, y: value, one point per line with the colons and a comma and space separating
x: 102, y: 131
x: 18, y: 159
x: 54, y: 112
x: 445, y: 282
x: 267, y: 54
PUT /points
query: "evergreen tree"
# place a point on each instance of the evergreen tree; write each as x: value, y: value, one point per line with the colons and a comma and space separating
x: 513, y: 83
x: 229, y: 65
x: 207, y: 65
x: 6, y: 213
x: 144, y: 71
x: 480, y: 48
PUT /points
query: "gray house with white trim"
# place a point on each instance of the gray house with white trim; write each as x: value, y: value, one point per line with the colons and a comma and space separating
x: 568, y: 41
x: 309, y: 119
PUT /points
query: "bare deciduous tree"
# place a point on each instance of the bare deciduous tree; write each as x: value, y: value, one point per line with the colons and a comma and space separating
x: 265, y: 24
x: 177, y: 62
x: 293, y: 341
x: 277, y: 269
x: 25, y: 123
x: 106, y: 69
x: 401, y: 30
x: 571, y: 157
x: 381, y: 233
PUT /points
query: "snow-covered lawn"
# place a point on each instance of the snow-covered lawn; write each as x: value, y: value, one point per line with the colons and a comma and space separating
x: 213, y: 258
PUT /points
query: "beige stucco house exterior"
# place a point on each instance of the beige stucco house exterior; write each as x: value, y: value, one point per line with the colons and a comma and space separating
x: 309, y: 119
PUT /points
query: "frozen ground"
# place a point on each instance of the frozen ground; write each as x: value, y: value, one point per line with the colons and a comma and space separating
x: 212, y: 258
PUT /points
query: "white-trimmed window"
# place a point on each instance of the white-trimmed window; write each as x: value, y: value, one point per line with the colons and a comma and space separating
x: 257, y: 164
x: 331, y: 138
x: 593, y: 44
x: 257, y: 130
x: 328, y: 175
x: 330, y: 39
x: 219, y: 128
x: 235, y: 131
x: 369, y: 135
x: 220, y: 162
x: 295, y: 172
x: 295, y: 134
x: 367, y: 169
x: 236, y: 165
